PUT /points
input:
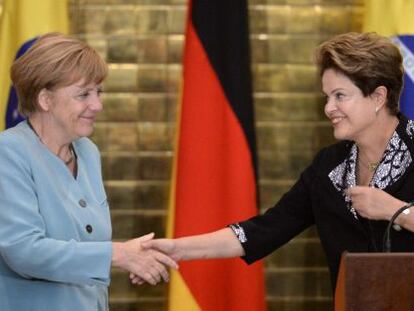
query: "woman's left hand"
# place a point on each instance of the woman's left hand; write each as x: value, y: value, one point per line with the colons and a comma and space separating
x: 373, y: 203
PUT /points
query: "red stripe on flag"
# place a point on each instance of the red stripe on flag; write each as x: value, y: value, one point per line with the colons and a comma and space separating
x: 215, y: 185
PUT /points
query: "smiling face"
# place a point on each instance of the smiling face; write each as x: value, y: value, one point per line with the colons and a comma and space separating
x: 352, y: 115
x: 73, y: 109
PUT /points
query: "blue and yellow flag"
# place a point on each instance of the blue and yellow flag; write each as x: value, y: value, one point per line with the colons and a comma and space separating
x: 396, y: 19
x: 21, y: 22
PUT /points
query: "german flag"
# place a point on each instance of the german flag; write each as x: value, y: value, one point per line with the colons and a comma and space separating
x: 215, y: 171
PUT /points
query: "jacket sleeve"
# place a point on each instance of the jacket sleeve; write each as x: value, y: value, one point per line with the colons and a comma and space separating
x: 24, y: 246
x: 262, y: 234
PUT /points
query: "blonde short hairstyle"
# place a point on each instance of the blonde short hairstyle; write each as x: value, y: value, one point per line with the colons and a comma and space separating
x: 54, y: 61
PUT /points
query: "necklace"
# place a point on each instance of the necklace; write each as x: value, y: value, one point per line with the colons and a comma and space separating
x: 371, y: 166
x: 72, y: 156
x: 71, y: 150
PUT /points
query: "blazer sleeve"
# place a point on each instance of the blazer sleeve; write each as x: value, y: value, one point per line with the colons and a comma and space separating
x: 23, y: 244
x: 262, y: 234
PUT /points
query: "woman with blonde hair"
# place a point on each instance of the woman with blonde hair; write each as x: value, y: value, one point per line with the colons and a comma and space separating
x: 56, y: 251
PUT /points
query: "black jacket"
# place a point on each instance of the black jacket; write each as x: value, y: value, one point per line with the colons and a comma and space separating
x: 318, y: 198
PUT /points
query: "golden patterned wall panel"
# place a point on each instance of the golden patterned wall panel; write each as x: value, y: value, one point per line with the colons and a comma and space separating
x: 304, y: 19
x: 270, y: 48
x: 269, y: 20
x: 288, y: 107
x: 123, y: 49
x: 137, y: 195
x: 125, y: 20
x: 155, y: 166
x: 152, y: 78
x: 301, y: 252
x: 90, y: 19
x: 132, y: 166
x: 151, y: 20
x: 130, y: 224
x: 291, y: 168
x: 336, y: 18
x: 153, y: 49
x: 116, y: 136
x: 122, y: 78
x: 176, y: 19
x: 122, y: 166
x: 283, y: 48
x: 157, y: 108
x: 301, y: 48
x: 175, y: 48
x: 292, y: 137
x: 154, y: 136
x: 284, y: 78
x: 120, y: 107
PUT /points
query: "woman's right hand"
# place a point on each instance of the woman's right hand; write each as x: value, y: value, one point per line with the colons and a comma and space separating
x: 149, y: 265
x: 222, y: 243
x: 165, y: 246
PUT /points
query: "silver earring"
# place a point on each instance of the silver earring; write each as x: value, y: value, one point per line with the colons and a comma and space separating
x: 376, y: 110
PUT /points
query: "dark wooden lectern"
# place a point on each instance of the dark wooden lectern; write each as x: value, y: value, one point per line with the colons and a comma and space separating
x: 375, y: 281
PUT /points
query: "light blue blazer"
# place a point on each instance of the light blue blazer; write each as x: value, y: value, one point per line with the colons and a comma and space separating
x: 55, y: 230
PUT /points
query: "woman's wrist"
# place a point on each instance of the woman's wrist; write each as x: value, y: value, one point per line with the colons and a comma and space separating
x: 402, y: 219
x: 117, y: 254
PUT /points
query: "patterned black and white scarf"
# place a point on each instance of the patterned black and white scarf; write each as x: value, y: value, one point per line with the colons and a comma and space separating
x: 396, y: 159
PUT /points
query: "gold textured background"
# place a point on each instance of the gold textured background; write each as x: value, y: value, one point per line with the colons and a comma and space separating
x: 142, y: 42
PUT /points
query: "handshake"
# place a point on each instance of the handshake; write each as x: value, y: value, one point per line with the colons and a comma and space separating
x: 146, y: 260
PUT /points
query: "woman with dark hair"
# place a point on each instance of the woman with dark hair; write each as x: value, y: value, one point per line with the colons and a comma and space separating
x: 352, y: 188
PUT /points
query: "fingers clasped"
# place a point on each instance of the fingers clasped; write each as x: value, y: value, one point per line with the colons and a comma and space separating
x: 149, y: 265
